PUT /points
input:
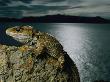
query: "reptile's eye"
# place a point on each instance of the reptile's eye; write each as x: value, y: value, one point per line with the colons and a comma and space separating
x: 17, y: 29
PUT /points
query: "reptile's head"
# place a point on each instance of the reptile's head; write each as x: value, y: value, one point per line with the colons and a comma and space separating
x: 22, y: 34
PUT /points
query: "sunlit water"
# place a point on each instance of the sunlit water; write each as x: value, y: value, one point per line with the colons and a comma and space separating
x: 87, y: 44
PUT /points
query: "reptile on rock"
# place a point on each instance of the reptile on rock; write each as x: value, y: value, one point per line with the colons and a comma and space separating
x: 41, y: 58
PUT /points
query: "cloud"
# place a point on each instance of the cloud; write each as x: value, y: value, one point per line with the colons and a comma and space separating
x: 19, y: 8
x: 37, y: 2
x: 36, y: 13
x: 10, y: 13
x: 4, y: 2
x: 93, y: 10
x: 40, y: 10
x: 16, y: 3
x: 49, y: 2
x: 13, y: 2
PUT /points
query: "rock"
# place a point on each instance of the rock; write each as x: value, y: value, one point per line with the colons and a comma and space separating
x: 19, y: 66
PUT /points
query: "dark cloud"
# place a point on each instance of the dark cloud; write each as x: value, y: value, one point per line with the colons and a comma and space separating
x: 9, y: 1
x: 19, y: 8
x: 78, y: 7
x: 43, y: 7
x: 13, y: 8
x: 4, y: 2
x: 25, y: 1
x: 10, y: 13
x: 54, y: 1
x: 34, y: 7
x: 16, y: 11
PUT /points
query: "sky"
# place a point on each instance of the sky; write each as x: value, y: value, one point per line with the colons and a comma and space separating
x: 24, y: 8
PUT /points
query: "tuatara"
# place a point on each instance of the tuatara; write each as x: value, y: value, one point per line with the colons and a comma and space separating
x: 38, y: 42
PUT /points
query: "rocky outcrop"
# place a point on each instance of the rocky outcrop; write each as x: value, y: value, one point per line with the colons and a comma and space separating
x: 18, y: 64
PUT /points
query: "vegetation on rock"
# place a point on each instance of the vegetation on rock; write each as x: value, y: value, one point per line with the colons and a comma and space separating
x: 21, y: 64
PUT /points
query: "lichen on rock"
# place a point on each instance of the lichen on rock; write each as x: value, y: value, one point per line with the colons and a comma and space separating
x: 24, y: 64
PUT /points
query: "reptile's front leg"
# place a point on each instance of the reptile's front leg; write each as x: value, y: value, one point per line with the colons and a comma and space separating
x: 59, y: 56
x: 61, y: 61
x: 38, y: 49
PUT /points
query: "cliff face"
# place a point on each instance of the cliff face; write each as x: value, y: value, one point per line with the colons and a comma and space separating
x: 17, y: 64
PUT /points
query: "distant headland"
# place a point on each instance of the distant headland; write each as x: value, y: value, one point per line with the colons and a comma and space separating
x: 57, y: 19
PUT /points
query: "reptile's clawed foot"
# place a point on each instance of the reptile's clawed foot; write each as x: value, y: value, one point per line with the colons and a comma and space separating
x: 61, y: 61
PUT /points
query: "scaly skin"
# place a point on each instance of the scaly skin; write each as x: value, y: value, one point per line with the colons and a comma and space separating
x: 41, y: 42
